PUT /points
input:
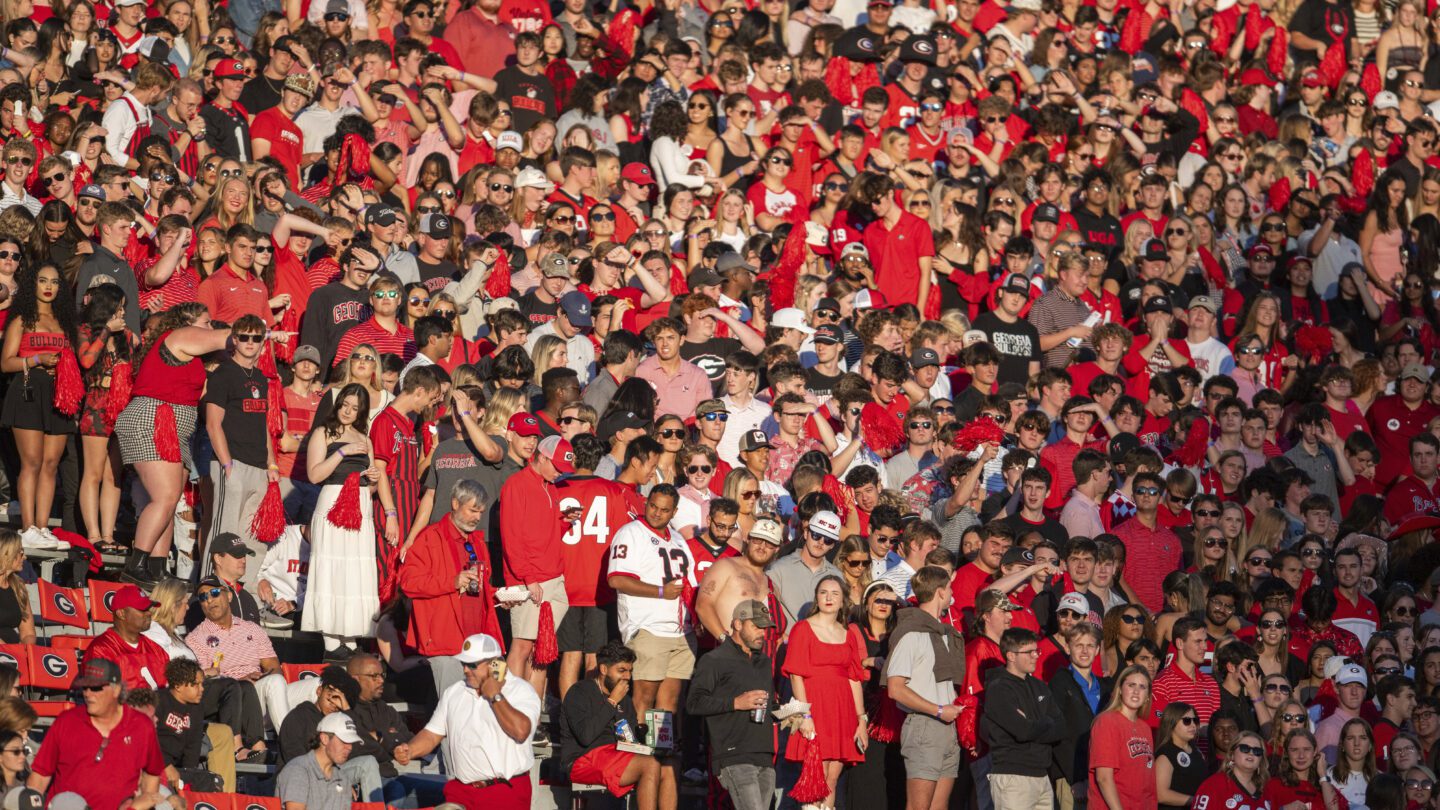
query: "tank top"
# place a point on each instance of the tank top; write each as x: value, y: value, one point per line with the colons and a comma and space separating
x: 729, y: 162
x: 33, y: 343
x: 347, y: 465
x: 10, y: 616
x: 168, y: 379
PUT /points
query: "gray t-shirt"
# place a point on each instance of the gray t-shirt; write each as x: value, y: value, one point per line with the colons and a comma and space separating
x: 914, y: 658
x: 795, y: 584
x: 302, y: 782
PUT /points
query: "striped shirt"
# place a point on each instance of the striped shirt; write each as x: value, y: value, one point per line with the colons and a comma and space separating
x: 237, y: 651
x: 1055, y: 312
x: 392, y: 434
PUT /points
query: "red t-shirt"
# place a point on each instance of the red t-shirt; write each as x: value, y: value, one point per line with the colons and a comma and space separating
x: 71, y: 755
x: 1411, y: 496
x: 604, y: 509
x: 1393, y: 424
x: 285, y: 140
x: 896, y: 254
x: 1126, y: 746
x: 136, y: 663
x: 967, y: 583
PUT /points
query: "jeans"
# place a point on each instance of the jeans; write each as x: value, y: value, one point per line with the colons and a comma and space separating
x: 751, y: 787
x: 446, y: 671
x: 364, y: 773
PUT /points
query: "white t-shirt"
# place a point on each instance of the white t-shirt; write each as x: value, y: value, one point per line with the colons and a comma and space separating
x: 654, y: 558
x: 475, y: 746
x: 1211, y: 358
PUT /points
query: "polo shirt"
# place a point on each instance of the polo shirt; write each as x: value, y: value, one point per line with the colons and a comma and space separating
x: 1320, y: 467
x: 967, y: 583
x: 301, y: 781
x: 228, y: 295
x: 679, y: 393
x: 1393, y: 424
x: 475, y: 747
x: 400, y: 342
x: 1359, y: 617
x: 794, y: 583
x: 1201, y: 692
x: 104, y: 771
x: 1055, y: 312
x: 241, y: 648
x: 1150, y: 555
x: 896, y: 253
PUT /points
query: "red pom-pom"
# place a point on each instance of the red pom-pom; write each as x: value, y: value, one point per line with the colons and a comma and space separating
x: 982, y: 430
x: 1279, y: 194
x: 1362, y: 175
x: 1370, y: 80
x: 840, y: 493
x: 687, y: 600
x: 1333, y: 64
x: 69, y: 385
x: 787, y: 269
x: 967, y: 725
x: 547, y: 649
x: 121, y: 383
x: 882, y: 430
x: 1279, y: 48
x: 497, y: 284
x: 812, y: 787
x: 275, y: 416
x: 167, y: 436
x: 1314, y: 342
x: 266, y: 363
x: 269, y: 520
x: 1197, y: 439
x: 345, y: 514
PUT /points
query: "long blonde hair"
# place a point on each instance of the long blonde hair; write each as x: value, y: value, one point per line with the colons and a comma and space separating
x: 503, y: 404
x: 10, y: 552
x: 376, y: 383
x: 1266, y: 531
x: 170, y: 598
x: 1115, y: 705
x: 541, y: 355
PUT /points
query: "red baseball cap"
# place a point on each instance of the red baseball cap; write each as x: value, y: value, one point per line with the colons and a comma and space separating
x: 559, y: 452
x: 130, y: 597
x: 638, y: 173
x: 230, y: 69
x: 523, y: 424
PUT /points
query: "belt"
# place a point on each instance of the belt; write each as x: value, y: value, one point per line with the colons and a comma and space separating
x: 485, y: 783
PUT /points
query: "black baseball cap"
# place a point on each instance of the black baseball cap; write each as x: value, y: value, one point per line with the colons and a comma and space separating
x: 829, y: 333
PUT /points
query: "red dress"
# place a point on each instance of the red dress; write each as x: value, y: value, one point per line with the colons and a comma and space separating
x: 828, y: 670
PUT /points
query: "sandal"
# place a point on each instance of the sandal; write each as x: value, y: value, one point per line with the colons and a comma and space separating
x: 109, y: 546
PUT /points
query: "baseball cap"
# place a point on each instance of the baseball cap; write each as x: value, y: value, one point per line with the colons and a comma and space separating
x: 228, y: 68
x: 769, y: 530
x: 577, y: 308
x: 1312, y: 78
x: 1155, y: 251
x: 616, y: 421
x: 754, y: 440
x: 23, y: 798
x: 1157, y: 303
x: 131, y: 597
x: 1016, y: 283
x: 923, y: 356
x: 230, y: 544
x: 1258, y: 249
x: 973, y: 336
x: 302, y: 83
x: 531, y: 177
x: 123, y: 3
x: 306, y: 353
x: 1414, y: 371
x: 755, y: 611
x: 98, y: 672
x: 703, y: 277
x: 918, y: 49
x: 1255, y: 77
x: 1204, y: 302
x: 1074, y: 601
x: 553, y: 265
x: 436, y: 226
x: 477, y: 648
x: 826, y: 524
x: 870, y: 299
x: 990, y: 599
x: 791, y: 318
x: 340, y: 725
x: 69, y: 800
x: 93, y: 191
x: 1351, y: 673
x: 558, y: 450
x: 524, y: 424
x: 154, y: 48
x: 855, y: 249
x: 828, y: 304
x: 829, y: 334
x: 1120, y: 446
x: 1386, y: 100
x: 1016, y: 555
x: 510, y: 139
x: 711, y: 406
x: 1046, y: 212
x: 732, y: 261
x: 638, y: 173
x: 380, y: 214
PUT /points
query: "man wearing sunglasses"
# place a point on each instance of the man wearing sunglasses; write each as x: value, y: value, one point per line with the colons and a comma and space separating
x: 20, y: 156
x: 1152, y: 549
x: 794, y: 576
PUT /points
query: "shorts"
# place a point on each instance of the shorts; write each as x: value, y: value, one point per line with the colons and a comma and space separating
x: 525, y: 617
x: 586, y: 629
x: 603, y: 766
x: 931, y: 749
x: 38, y: 412
x: 660, y: 657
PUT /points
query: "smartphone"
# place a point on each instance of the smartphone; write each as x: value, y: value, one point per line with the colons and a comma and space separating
x: 497, y: 670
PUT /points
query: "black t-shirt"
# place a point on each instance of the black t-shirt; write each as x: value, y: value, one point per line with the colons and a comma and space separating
x: 242, y: 393
x: 1241, y: 707
x: 1018, y: 344
x: 227, y: 132
x: 1102, y: 230
x: 1322, y: 20
x: 261, y: 93
x: 332, y: 310
x: 297, y: 729
x: 436, y: 276
x: 531, y: 98
x: 819, y: 383
x: 538, y: 312
x: 1050, y: 529
x: 1187, y: 770
x: 180, y: 727
x: 587, y: 721
x: 710, y: 357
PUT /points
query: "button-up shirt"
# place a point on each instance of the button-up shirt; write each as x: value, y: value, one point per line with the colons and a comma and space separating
x: 1089, y: 686
x: 10, y: 197
x: 679, y: 393
x: 743, y: 419
x: 475, y: 747
x: 237, y: 651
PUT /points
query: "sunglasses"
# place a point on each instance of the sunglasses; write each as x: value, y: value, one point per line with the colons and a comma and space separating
x: 932, y: 107
x: 672, y: 433
x: 230, y: 173
x: 363, y: 358
x: 826, y: 541
x: 416, y: 301
x: 1176, y: 232
x: 224, y: 40
x: 9, y: 254
x: 264, y: 249
x: 505, y: 187
x: 1147, y: 490
x: 1403, y: 611
x: 855, y: 563
x: 1383, y: 671
x: 1258, y: 561
x: 563, y: 218
x: 161, y: 177
x: 55, y: 178
x: 1211, y: 542
x: 1294, y: 718
x: 1273, y: 227
x: 427, y: 209
x: 1272, y: 624
x: 1252, y: 350
x: 1312, y: 552
x: 781, y: 161
x: 207, y: 595
x: 1131, y: 618
x: 386, y: 294
x: 20, y: 160
x: 25, y: 749
x: 1207, y: 513
x: 336, y: 16
x: 719, y: 416
x: 249, y: 338
x: 750, y: 495
x: 699, y: 468
x: 1282, y: 688
x: 841, y: 187
x: 596, y: 216
x: 1418, y: 784
x: 1069, y: 614
x: 1252, y: 750
x: 1189, y: 719
x: 943, y: 409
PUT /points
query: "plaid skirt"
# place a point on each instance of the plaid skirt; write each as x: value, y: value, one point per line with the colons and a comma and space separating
x: 135, y: 428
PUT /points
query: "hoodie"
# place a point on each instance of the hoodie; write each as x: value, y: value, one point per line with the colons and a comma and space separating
x: 1021, y: 722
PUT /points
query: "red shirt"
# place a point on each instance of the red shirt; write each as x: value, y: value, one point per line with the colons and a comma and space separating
x: 392, y: 435
x: 582, y: 206
x: 1150, y: 555
x: 1359, y: 617
x: 1221, y: 791
x: 483, y: 45
x: 1058, y: 459
x: 285, y: 140
x: 604, y: 508
x: 401, y: 341
x: 967, y: 583
x: 1140, y: 371
x: 72, y: 756
x: 1126, y: 746
x: 531, y: 528
x: 1201, y: 692
x: 228, y: 295
x: 896, y: 254
x: 1410, y: 496
x: 440, y: 617
x: 1393, y: 424
x: 145, y: 658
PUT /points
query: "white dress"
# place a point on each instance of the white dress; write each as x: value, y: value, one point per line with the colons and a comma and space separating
x: 342, y: 594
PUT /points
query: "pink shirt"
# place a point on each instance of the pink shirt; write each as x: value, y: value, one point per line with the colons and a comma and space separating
x: 241, y: 648
x: 679, y: 394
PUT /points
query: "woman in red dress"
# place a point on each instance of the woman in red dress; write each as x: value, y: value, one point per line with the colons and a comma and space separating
x: 825, y: 667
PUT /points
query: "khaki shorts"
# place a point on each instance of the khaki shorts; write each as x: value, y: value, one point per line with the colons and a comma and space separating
x: 660, y: 657
x: 930, y: 748
x: 525, y: 618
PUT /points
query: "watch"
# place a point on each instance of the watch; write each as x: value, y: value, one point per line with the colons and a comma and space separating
x: 499, y: 697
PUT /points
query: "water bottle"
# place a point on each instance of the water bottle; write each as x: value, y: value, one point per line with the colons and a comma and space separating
x: 757, y: 714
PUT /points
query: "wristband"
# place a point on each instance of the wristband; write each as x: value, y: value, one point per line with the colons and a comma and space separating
x: 390, y: 513
x: 939, y: 712
x: 660, y: 592
x: 341, y: 451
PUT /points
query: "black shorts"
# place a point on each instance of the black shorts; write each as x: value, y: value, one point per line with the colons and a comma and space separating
x: 586, y: 629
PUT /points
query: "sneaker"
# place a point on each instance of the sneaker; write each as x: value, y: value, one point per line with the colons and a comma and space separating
x: 695, y: 776
x: 60, y: 545
x: 339, y: 655
x: 32, y: 538
x: 542, y: 737
x: 274, y: 621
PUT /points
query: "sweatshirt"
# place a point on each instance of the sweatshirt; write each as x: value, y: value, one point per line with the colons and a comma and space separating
x: 1021, y: 722
x: 720, y: 676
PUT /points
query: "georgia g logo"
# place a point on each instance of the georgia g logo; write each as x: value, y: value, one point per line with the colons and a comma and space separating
x: 55, y: 665
x: 63, y: 604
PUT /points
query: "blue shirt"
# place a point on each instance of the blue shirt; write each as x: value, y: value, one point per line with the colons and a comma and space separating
x: 1090, y: 686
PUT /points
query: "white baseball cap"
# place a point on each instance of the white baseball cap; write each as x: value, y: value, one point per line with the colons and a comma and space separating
x: 1351, y: 673
x: 769, y: 530
x: 339, y: 724
x: 1076, y: 602
x: 477, y: 648
x: 531, y: 177
x: 791, y: 318
x: 826, y: 524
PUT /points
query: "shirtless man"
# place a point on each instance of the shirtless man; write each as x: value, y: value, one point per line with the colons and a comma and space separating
x: 732, y: 580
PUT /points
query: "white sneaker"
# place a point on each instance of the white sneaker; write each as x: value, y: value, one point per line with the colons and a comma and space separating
x: 60, y: 545
x: 32, y: 538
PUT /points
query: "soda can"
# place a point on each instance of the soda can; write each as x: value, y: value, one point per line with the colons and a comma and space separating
x: 623, y: 731
x: 757, y: 714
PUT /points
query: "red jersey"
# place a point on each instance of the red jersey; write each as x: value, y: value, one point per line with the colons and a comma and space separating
x: 582, y: 206
x: 1058, y: 459
x: 705, y: 556
x: 141, y: 666
x: 1359, y: 617
x: 392, y: 435
x: 967, y: 583
x: 1411, y: 496
x: 285, y: 140
x: 104, y: 771
x: 1222, y: 792
x: 604, y: 508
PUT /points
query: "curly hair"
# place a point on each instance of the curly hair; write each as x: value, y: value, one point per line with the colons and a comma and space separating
x: 168, y: 321
x: 27, y: 305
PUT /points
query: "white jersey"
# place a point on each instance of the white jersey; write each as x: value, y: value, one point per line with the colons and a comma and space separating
x: 644, y: 554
